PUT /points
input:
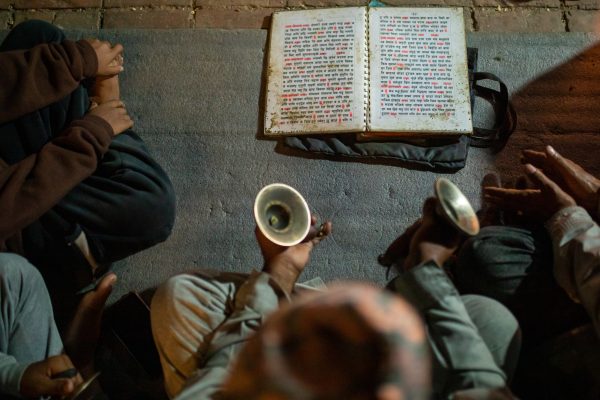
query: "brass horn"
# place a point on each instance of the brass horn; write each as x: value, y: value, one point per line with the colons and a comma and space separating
x: 282, y: 214
x: 455, y: 207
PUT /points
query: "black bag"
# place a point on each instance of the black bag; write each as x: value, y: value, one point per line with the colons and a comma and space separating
x: 437, y: 154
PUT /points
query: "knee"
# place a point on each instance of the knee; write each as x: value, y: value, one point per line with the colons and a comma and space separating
x: 186, y: 297
x: 493, y: 262
x: 498, y: 328
x: 153, y: 200
x: 490, y: 315
x: 479, y: 252
x: 167, y: 295
x: 156, y: 218
x: 165, y: 292
x: 164, y: 202
x: 37, y: 32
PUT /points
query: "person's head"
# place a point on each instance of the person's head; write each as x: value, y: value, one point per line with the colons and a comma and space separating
x: 353, y: 341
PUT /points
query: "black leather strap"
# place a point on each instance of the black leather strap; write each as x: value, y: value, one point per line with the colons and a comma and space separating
x: 506, y: 118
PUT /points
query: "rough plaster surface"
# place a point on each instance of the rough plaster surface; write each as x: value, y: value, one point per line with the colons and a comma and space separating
x: 195, y: 97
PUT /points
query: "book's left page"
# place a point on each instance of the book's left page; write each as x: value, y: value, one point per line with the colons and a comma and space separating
x: 316, y: 72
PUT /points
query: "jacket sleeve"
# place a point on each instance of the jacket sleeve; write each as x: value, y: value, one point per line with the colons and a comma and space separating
x: 11, y: 373
x: 32, y: 79
x: 32, y: 186
x: 576, y: 245
x: 454, y: 338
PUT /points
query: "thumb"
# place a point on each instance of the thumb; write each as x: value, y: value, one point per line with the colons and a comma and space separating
x: 114, y: 69
x: 59, y: 387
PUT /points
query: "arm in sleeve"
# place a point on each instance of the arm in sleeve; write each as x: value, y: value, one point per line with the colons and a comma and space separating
x: 34, y: 185
x: 454, y: 339
x: 10, y: 375
x: 32, y: 79
x: 254, y: 301
x: 576, y: 244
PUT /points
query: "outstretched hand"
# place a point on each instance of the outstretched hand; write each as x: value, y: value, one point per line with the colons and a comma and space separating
x: 570, y: 177
x: 110, y: 58
x: 541, y: 203
x: 286, y: 264
x: 428, y: 239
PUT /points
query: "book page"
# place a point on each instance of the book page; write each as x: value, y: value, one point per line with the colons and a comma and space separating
x: 419, y: 75
x: 316, y: 75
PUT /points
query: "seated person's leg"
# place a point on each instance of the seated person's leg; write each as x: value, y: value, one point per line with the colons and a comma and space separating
x: 185, y: 311
x: 126, y: 206
x: 27, y: 328
x: 499, y: 330
x: 30, y: 33
x: 497, y: 262
x: 27, y: 134
x: 514, y: 266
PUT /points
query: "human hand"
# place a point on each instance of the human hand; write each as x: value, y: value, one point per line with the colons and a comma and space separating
x: 541, y: 203
x: 115, y: 114
x: 434, y: 240
x: 37, y: 379
x: 110, y: 58
x: 429, y: 239
x: 285, y: 264
x: 582, y: 186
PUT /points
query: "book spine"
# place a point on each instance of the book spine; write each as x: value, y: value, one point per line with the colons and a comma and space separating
x: 367, y: 74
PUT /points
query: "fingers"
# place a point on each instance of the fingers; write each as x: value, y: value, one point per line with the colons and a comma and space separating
x: 116, y: 64
x: 324, y: 231
x: 536, y: 158
x: 315, y: 235
x: 564, y: 167
x: 110, y: 58
x: 117, y: 50
x: 539, y: 179
x: 97, y: 298
x: 399, y: 248
x: 58, y: 365
x: 513, y: 199
x: 114, y: 104
x: 60, y: 387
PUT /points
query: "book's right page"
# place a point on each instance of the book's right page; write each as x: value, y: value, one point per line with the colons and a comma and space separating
x: 419, y: 76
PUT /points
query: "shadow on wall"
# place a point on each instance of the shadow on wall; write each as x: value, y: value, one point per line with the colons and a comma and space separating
x: 560, y: 108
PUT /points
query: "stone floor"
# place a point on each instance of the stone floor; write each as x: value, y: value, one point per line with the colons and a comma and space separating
x: 481, y: 15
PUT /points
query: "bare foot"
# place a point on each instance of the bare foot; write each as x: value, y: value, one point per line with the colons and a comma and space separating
x: 82, y: 335
x: 106, y: 89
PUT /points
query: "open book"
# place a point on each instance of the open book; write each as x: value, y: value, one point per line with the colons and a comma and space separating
x: 379, y: 72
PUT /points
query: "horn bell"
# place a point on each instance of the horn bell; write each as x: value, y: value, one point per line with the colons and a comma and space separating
x: 282, y: 214
x: 455, y: 207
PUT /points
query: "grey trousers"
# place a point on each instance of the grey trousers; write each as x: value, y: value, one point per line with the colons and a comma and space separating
x: 514, y: 266
x: 28, y: 332
x: 185, y: 312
